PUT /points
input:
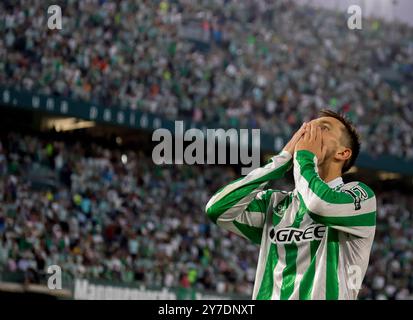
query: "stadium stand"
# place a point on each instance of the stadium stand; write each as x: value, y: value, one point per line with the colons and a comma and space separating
x: 263, y: 64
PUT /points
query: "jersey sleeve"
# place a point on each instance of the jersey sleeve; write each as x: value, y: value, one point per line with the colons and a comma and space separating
x: 352, y: 210
x: 241, y: 206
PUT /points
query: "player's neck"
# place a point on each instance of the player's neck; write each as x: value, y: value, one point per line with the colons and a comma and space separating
x: 329, y: 171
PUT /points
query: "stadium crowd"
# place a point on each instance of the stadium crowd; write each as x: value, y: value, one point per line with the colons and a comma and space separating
x: 111, y: 214
x: 254, y: 63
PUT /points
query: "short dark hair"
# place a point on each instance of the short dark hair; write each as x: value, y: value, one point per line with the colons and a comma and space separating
x: 351, y: 135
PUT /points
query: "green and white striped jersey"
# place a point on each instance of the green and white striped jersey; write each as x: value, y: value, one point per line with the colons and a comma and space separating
x: 315, y: 241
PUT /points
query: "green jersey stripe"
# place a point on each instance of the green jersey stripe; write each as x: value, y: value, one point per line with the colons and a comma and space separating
x: 228, y: 201
x: 305, y: 159
x: 267, y: 282
x: 291, y: 251
x: 256, y: 206
x: 332, y: 265
x: 363, y: 220
x: 232, y: 198
x: 306, y: 284
x: 276, y: 220
x: 252, y: 233
x: 321, y: 207
x: 329, y: 207
x: 289, y: 271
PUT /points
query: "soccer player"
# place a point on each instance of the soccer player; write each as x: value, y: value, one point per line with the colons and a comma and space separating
x: 315, y: 241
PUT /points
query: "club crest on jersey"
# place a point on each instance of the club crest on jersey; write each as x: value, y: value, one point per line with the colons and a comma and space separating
x: 279, y: 210
x: 289, y: 235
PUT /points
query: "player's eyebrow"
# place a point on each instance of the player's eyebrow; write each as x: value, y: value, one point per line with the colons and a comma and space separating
x: 325, y: 122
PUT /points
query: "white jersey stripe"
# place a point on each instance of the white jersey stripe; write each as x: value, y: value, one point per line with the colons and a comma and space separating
x: 279, y: 268
x: 278, y: 276
x: 319, y: 287
x: 303, y: 261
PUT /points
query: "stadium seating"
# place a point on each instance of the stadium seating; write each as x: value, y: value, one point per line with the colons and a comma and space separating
x: 263, y: 64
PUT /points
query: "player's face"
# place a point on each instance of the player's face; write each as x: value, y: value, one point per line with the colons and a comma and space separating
x: 332, y: 136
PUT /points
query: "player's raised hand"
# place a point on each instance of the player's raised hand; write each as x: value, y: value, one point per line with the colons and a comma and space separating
x: 290, y: 146
x: 312, y: 141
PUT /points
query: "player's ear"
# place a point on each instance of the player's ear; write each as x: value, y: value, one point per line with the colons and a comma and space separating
x: 343, y: 153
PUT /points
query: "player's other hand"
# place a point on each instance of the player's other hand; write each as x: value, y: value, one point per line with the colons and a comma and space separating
x: 312, y: 141
x: 290, y: 146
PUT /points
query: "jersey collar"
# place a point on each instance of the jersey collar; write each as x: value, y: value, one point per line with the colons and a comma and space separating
x: 336, y: 182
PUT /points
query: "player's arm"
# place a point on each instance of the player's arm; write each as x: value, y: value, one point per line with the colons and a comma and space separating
x: 352, y: 211
x: 241, y: 206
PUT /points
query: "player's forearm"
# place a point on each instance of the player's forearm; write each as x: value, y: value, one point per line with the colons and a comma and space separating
x: 351, y: 210
x: 235, y: 197
x: 317, y: 195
